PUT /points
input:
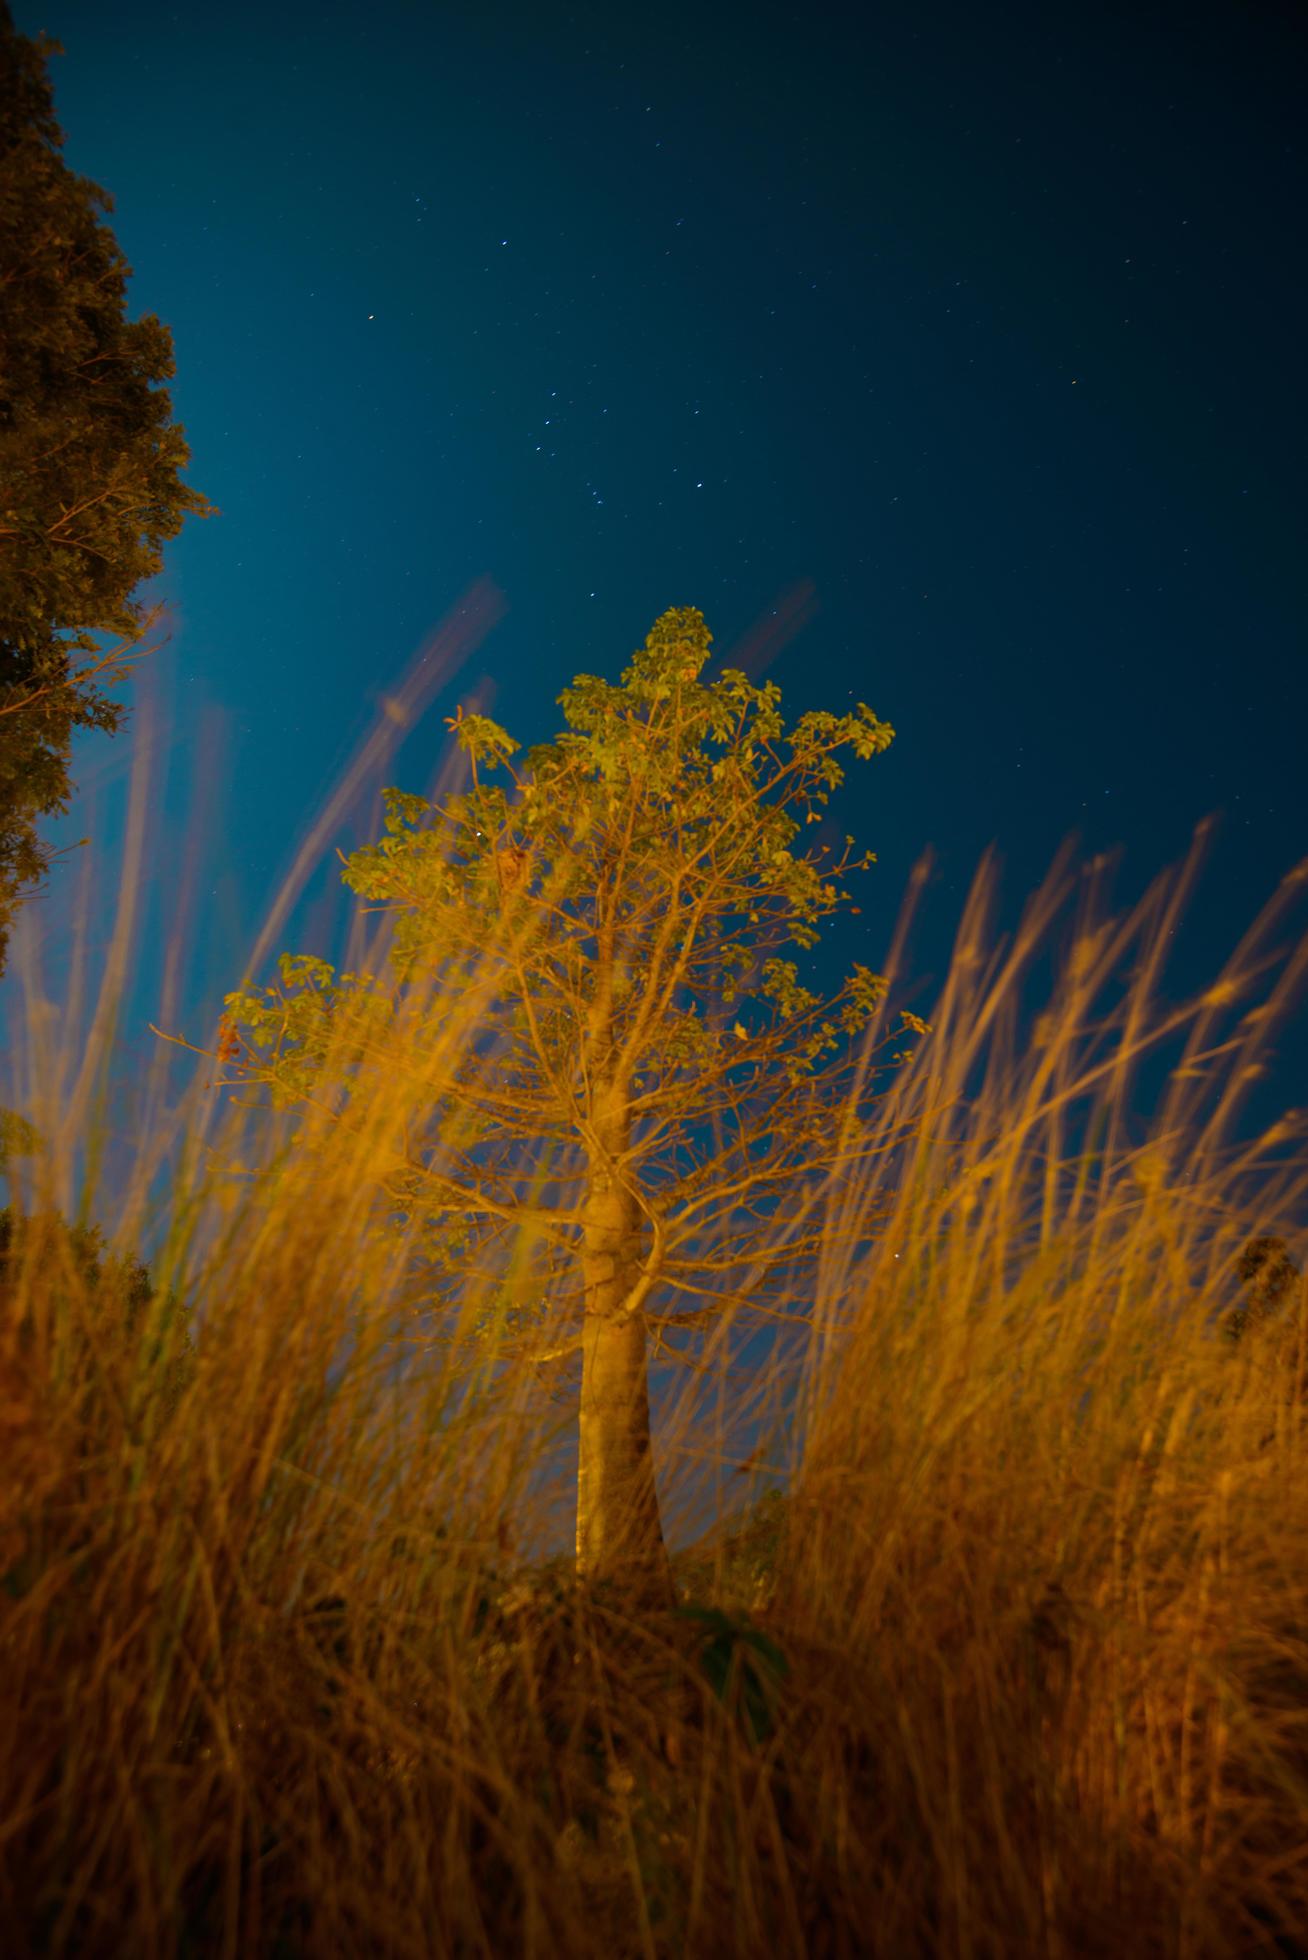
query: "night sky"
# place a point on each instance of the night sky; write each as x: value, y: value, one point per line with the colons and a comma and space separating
x: 948, y: 358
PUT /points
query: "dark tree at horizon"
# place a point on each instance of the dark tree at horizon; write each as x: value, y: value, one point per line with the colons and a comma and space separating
x: 90, y: 464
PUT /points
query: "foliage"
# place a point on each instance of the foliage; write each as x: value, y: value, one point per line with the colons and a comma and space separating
x: 90, y: 462
x: 1268, y: 1275
x: 18, y: 1137
x: 116, y: 1292
x: 295, y: 1673
x: 742, y: 1664
x: 622, y: 913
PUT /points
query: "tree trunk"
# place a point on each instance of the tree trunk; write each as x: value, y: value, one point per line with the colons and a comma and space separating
x: 619, y: 1531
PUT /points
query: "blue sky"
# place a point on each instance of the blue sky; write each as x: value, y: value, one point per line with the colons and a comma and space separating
x: 967, y: 345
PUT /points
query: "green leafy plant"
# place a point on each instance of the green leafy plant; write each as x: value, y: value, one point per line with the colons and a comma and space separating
x: 744, y: 1666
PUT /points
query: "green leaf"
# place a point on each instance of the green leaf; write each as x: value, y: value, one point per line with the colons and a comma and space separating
x: 742, y: 1665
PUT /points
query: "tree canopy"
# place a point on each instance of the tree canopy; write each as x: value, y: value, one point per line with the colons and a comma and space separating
x: 645, y: 1090
x: 90, y: 462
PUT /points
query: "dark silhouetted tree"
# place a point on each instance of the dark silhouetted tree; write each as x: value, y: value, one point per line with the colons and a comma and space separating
x: 90, y: 464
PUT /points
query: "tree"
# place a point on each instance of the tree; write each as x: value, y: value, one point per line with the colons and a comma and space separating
x: 648, y: 1094
x: 132, y: 1316
x: 18, y: 1138
x: 90, y: 463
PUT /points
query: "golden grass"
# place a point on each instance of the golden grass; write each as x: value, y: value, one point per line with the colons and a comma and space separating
x: 1016, y: 1665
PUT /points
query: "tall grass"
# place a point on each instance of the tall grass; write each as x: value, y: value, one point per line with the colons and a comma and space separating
x: 1015, y: 1661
